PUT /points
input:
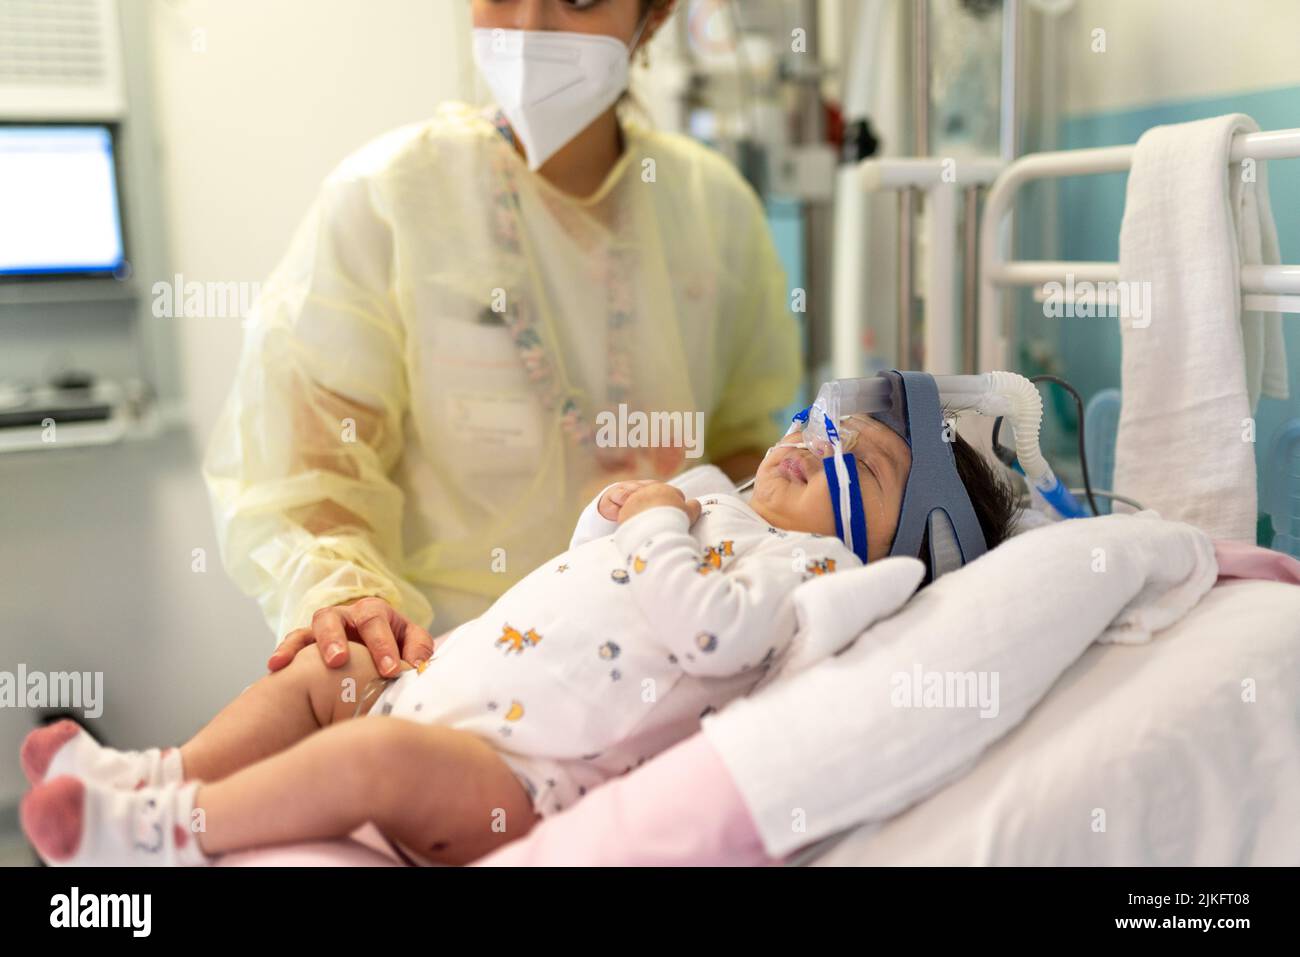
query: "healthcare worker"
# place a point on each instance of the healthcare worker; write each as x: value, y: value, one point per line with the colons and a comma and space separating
x: 413, y: 426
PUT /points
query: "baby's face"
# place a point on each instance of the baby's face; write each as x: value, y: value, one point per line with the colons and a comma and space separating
x: 791, y: 492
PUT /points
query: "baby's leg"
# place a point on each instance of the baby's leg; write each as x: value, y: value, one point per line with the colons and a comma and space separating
x: 278, y: 711
x: 445, y: 794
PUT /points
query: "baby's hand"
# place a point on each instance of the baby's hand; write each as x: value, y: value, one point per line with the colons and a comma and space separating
x: 611, y: 503
x: 648, y: 495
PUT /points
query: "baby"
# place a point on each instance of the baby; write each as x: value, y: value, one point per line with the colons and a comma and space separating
x: 663, y: 609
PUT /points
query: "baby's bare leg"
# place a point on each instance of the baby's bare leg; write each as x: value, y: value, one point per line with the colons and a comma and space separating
x: 445, y: 794
x: 278, y: 711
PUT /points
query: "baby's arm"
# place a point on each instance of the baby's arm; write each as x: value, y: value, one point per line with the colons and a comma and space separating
x: 716, y: 622
x: 601, y: 516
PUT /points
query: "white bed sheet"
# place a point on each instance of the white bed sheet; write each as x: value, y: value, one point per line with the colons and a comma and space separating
x: 1154, y: 741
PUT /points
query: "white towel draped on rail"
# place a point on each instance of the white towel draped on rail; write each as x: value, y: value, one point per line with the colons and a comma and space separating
x: 1195, y: 365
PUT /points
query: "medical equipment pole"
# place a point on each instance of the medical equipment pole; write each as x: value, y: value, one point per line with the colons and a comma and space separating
x: 939, y: 181
x: 1009, y: 134
x: 970, y: 280
x: 910, y: 201
x: 921, y: 77
x: 906, y: 210
x: 993, y: 321
x: 817, y: 227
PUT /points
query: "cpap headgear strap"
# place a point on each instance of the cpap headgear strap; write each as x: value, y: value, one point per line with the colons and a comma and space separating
x: 935, y: 499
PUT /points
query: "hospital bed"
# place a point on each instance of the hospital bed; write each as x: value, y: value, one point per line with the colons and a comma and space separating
x: 1159, y: 744
x: 1156, y: 754
x: 1181, y: 751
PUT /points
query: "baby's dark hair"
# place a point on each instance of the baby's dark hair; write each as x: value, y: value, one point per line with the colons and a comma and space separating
x: 991, y: 496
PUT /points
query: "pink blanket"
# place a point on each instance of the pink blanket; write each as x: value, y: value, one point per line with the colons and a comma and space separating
x: 1249, y: 561
x: 686, y: 811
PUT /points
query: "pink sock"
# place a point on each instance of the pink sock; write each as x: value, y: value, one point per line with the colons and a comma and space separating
x: 74, y: 823
x: 66, y: 748
x: 40, y: 746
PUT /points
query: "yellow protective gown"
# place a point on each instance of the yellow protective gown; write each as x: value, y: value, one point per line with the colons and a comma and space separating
x: 414, y: 407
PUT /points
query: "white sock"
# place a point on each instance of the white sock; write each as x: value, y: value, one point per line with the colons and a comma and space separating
x: 75, y: 823
x: 84, y: 757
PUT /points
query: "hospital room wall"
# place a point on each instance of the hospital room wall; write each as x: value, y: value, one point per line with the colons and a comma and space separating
x: 260, y: 102
x: 1222, y: 58
x: 254, y: 103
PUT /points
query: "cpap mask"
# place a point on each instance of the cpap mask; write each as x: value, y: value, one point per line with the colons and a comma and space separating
x: 935, y: 501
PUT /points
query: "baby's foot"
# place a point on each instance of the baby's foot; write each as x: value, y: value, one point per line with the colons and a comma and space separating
x: 65, y: 748
x: 74, y: 823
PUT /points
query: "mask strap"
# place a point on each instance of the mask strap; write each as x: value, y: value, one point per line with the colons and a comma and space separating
x: 842, y: 482
x: 847, y: 492
x: 640, y: 30
x: 799, y: 421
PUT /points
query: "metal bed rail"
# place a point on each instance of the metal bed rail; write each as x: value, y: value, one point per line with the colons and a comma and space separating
x: 1265, y: 288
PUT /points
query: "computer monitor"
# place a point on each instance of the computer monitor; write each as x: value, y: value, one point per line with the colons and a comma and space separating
x: 60, y: 214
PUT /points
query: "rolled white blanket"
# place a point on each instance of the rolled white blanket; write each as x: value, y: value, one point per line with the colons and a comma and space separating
x: 861, y: 736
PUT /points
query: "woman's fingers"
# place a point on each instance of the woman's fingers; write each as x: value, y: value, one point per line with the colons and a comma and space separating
x: 371, y: 617
x: 387, y: 635
x: 293, y: 643
x: 417, y: 644
x: 329, y: 626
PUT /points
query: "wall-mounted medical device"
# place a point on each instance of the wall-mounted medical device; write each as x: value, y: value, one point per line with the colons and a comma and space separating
x: 62, y: 209
x: 62, y: 98
x: 81, y: 227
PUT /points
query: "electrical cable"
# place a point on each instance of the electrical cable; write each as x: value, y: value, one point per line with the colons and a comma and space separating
x: 1083, y: 451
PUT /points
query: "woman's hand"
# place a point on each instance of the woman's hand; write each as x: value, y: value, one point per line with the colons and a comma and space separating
x: 650, y: 495
x: 390, y: 637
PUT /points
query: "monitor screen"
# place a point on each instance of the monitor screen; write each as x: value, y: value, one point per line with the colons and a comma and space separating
x: 59, y: 213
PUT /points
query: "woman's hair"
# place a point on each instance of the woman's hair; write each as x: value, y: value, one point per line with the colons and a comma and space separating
x: 628, y: 101
x: 992, y: 498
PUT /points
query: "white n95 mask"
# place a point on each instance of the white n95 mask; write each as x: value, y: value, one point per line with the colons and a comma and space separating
x: 551, y: 85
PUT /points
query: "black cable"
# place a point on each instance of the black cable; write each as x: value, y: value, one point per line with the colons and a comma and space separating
x: 1005, y: 455
x: 1083, y: 452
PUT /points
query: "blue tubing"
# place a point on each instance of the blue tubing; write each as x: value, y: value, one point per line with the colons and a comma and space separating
x: 1059, y: 497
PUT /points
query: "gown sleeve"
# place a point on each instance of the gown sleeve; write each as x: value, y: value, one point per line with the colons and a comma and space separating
x: 299, y: 469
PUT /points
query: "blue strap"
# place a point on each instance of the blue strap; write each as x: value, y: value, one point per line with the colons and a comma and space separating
x: 857, y: 517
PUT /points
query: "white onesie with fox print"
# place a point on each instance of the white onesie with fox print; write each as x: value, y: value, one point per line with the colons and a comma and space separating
x: 614, y: 651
